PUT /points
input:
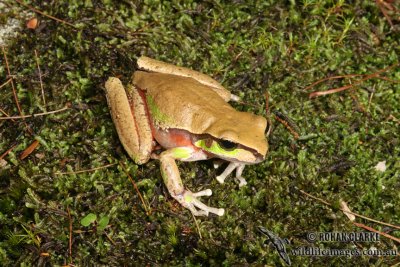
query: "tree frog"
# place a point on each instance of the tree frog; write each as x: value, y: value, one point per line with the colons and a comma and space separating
x: 186, y: 113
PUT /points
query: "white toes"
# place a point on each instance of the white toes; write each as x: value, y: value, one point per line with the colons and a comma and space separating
x: 242, y: 181
x: 220, y: 212
x: 189, y: 200
x: 235, y: 98
x: 206, y: 192
x: 220, y: 179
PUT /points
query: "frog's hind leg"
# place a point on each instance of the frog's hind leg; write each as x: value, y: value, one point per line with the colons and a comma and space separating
x: 130, y: 119
x: 173, y: 182
x: 149, y: 64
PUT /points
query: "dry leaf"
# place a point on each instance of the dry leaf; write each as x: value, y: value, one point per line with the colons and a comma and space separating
x: 32, y: 23
x: 29, y: 149
x: 347, y: 211
x: 381, y: 166
x: 40, y: 155
x: 3, y: 163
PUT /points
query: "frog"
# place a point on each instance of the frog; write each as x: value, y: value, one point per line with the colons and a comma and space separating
x: 187, y: 114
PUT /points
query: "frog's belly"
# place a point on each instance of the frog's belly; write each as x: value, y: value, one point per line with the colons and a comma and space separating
x: 172, y: 138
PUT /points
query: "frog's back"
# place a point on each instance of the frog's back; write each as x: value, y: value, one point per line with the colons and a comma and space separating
x: 183, y: 103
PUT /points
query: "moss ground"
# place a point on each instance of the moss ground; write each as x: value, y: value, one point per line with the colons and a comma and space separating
x: 251, y: 47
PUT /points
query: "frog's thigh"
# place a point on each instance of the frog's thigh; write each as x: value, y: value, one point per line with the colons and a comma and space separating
x: 153, y: 65
x: 131, y: 122
x: 142, y: 121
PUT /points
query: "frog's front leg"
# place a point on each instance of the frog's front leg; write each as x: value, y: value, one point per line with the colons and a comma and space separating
x: 172, y: 179
x: 231, y: 167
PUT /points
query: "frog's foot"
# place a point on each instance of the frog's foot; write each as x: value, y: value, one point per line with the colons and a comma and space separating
x: 235, y: 98
x: 231, y: 167
x: 189, y: 200
x: 172, y: 180
x: 242, y: 181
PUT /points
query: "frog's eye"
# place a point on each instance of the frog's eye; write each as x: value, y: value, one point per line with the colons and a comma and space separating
x: 228, y: 145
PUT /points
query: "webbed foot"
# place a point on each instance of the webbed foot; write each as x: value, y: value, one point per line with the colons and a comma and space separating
x: 189, y: 200
x: 172, y: 180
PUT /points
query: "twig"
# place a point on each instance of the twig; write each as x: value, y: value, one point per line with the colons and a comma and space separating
x: 8, y: 151
x: 4, y: 112
x: 35, y: 115
x: 355, y: 214
x: 70, y: 235
x: 1, y: 86
x: 197, y: 225
x: 109, y: 238
x: 316, y: 198
x: 360, y: 106
x: 387, y: 79
x: 336, y: 90
x: 288, y: 123
x: 247, y: 104
x: 147, y: 209
x: 393, y: 118
x: 87, y: 170
x: 376, y: 231
x: 40, y: 79
x: 12, y: 81
x: 44, y: 14
x: 14, y: 90
x: 367, y: 77
x: 384, y: 11
x: 331, y: 78
x: 370, y: 98
x: 267, y: 111
x: 7, y: 82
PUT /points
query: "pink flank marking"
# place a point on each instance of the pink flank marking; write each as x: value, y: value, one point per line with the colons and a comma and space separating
x: 173, y: 138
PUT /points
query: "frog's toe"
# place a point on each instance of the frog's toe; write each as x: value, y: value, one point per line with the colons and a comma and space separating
x: 191, y: 202
x: 235, y: 98
x: 200, y: 205
x: 242, y: 181
x: 221, y: 178
x: 206, y: 192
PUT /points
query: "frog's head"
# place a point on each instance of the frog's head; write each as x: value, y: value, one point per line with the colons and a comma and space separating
x: 217, y: 128
x: 238, y: 137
